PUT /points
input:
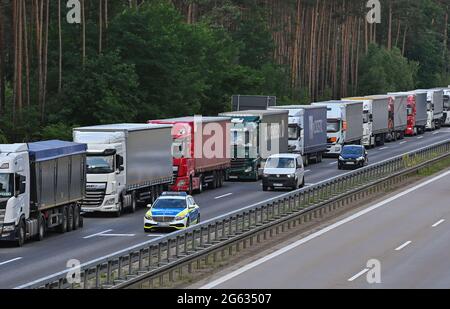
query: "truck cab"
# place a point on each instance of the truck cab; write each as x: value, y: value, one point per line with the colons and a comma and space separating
x: 14, y: 189
x: 447, y: 106
x: 105, y: 171
x: 411, y: 109
x: 245, y: 160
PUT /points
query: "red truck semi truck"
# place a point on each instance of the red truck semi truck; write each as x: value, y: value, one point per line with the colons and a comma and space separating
x: 200, y: 152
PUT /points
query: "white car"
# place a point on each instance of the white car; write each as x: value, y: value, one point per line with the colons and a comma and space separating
x: 284, y: 171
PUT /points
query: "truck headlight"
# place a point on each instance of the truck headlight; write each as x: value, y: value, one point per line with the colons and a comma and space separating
x: 111, y: 201
x: 181, y: 183
x: 8, y: 228
x: 291, y: 176
x: 249, y: 169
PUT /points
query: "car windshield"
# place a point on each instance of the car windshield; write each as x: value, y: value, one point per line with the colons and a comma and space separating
x: 100, y: 164
x: 169, y: 203
x: 333, y: 126
x: 6, y: 185
x: 352, y: 151
x: 280, y: 163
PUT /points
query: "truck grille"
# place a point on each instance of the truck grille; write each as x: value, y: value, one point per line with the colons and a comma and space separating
x: 238, y: 163
x: 2, y: 216
x: 164, y: 219
x: 94, y: 198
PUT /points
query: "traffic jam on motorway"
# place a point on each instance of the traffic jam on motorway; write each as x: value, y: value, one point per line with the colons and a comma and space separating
x: 113, y: 169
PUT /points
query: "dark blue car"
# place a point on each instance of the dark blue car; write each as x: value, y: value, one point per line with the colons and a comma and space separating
x: 354, y: 156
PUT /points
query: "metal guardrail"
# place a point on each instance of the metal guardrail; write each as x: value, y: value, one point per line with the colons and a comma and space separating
x: 157, y: 257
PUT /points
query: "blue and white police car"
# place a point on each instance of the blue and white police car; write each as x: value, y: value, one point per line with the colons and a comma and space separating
x: 174, y: 210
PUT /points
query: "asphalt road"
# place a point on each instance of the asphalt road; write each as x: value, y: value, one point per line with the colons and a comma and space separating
x: 105, y: 235
x: 408, y: 234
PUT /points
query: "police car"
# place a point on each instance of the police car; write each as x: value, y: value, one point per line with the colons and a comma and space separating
x: 176, y: 210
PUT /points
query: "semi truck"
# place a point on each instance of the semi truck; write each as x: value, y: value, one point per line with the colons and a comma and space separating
x: 307, y: 131
x: 255, y: 136
x: 127, y: 165
x: 400, y: 115
x: 252, y: 102
x: 42, y: 185
x: 194, y: 168
x: 375, y: 120
x: 447, y: 106
x: 344, y: 124
x: 421, y: 113
x: 435, y: 108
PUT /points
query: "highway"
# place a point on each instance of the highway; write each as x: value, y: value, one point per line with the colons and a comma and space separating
x: 408, y: 233
x: 105, y: 235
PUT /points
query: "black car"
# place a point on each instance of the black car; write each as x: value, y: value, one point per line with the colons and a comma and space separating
x: 354, y: 156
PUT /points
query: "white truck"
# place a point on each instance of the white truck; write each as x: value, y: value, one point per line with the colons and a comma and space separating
x: 127, y: 165
x: 447, y: 106
x: 375, y: 120
x: 344, y: 124
x: 307, y: 131
x: 41, y: 188
x: 435, y: 107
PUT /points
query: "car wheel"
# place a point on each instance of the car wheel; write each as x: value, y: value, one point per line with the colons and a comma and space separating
x: 188, y: 223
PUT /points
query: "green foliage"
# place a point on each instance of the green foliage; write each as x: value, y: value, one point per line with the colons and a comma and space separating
x: 383, y: 71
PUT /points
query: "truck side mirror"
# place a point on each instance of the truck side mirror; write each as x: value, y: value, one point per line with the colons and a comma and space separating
x: 119, y: 163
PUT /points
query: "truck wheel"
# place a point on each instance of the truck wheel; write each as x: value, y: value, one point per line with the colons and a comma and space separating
x: 118, y: 213
x: 306, y: 160
x: 70, y: 218
x: 222, y: 178
x: 63, y: 226
x: 41, y: 229
x: 191, y: 190
x: 21, y: 234
x: 214, y: 183
x: 76, y: 217
x: 133, y: 204
x: 265, y: 188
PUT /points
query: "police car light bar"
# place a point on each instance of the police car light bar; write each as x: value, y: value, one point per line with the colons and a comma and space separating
x: 174, y: 194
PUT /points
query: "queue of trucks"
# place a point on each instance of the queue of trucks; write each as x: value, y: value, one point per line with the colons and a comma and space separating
x: 48, y: 186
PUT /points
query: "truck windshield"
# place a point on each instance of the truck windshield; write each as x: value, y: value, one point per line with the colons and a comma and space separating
x: 366, y: 117
x: 179, y: 149
x: 100, y: 164
x: 409, y: 110
x: 169, y: 204
x: 6, y: 185
x: 280, y: 163
x: 240, y: 137
x: 333, y: 126
x: 294, y: 132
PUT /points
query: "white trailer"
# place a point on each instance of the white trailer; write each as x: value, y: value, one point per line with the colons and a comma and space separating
x: 127, y: 164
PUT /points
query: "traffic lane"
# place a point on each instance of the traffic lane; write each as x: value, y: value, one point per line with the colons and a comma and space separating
x: 331, y: 259
x: 246, y: 193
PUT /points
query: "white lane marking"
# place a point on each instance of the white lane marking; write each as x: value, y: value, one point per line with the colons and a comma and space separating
x: 222, y: 196
x: 438, y: 223
x: 10, y: 261
x: 332, y: 163
x: 156, y: 235
x: 318, y: 233
x: 420, y: 137
x: 307, y: 171
x: 362, y: 272
x: 96, y: 234
x: 383, y: 148
x: 404, y: 142
x: 403, y: 246
x: 117, y: 235
x: 435, y: 133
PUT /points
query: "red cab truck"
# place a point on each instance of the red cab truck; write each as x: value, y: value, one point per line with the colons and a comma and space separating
x: 200, y: 152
